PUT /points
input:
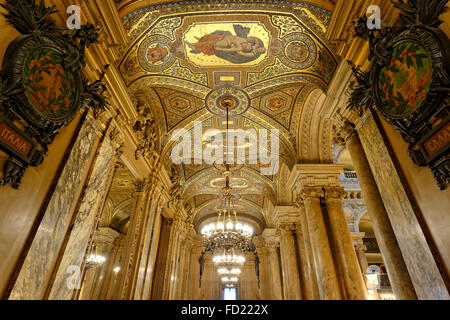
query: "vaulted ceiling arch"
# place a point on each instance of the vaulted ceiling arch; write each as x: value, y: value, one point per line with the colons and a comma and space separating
x: 271, y: 59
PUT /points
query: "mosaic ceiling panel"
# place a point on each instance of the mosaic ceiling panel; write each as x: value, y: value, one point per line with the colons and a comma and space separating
x: 267, y: 55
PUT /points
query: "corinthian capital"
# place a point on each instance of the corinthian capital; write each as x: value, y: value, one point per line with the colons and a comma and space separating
x: 345, y: 133
x: 312, y: 192
x: 271, y: 237
x: 287, y: 227
x: 335, y: 192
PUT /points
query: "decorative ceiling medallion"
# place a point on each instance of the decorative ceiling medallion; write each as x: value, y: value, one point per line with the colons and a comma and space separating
x: 300, y: 51
x: 239, y: 100
x: 155, y: 54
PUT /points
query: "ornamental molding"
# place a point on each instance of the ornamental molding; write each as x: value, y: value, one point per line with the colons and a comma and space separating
x: 314, y: 175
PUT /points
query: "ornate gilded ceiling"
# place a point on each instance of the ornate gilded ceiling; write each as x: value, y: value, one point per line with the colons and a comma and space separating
x: 268, y: 55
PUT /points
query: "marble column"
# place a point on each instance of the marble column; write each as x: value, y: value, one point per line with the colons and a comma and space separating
x: 42, y: 255
x: 108, y: 290
x: 183, y: 262
x: 125, y: 284
x: 289, y: 266
x: 177, y: 263
x: 397, y: 271
x: 264, y: 272
x: 85, y: 219
x: 194, y: 270
x: 173, y: 257
x: 150, y: 269
x: 146, y: 240
x: 162, y: 260
x: 186, y: 267
x: 105, y: 242
x: 310, y: 289
x: 424, y: 272
x: 360, y: 249
x: 272, y: 245
x: 248, y: 282
x: 355, y: 288
x: 323, y: 261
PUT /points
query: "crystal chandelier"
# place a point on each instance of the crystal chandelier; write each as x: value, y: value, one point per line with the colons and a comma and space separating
x: 94, y: 259
x: 227, y: 233
x: 228, y: 238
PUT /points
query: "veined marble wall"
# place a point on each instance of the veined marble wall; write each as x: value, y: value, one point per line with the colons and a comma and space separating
x: 86, y: 219
x: 419, y: 260
x: 42, y: 255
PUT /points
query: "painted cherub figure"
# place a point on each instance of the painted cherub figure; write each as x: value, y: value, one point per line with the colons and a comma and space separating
x: 237, y: 49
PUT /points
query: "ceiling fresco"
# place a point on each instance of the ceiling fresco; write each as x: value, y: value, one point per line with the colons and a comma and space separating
x: 267, y: 55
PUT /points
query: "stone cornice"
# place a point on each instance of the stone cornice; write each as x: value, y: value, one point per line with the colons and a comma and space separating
x: 286, y: 215
x: 271, y: 237
x: 311, y: 175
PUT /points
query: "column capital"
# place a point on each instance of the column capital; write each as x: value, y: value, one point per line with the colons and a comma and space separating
x: 345, y: 133
x: 314, y: 175
x: 258, y: 241
x: 196, y: 249
x: 287, y: 227
x: 335, y: 193
x: 271, y: 237
x: 286, y: 215
x: 312, y: 192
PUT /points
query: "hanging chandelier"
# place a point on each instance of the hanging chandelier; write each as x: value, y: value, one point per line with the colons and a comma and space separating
x: 227, y: 237
x: 94, y: 259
